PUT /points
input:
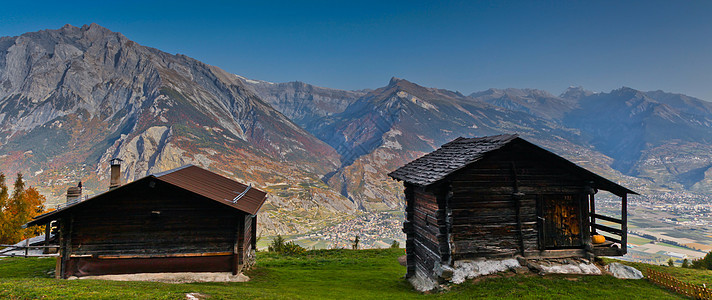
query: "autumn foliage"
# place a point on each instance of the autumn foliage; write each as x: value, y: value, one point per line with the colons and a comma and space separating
x: 18, y: 209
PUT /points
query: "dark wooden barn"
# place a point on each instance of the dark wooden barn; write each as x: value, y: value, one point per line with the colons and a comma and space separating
x: 498, y: 197
x: 184, y: 220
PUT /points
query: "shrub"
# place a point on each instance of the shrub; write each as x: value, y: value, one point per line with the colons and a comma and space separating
x: 395, y: 244
x: 279, y: 245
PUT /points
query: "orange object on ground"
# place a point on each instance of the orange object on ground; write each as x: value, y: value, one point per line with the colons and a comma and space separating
x: 598, y: 239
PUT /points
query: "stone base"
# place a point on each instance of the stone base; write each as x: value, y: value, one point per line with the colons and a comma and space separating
x: 469, y: 269
x: 573, y: 266
x: 422, y: 283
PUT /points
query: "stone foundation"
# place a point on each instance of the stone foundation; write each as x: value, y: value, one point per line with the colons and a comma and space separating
x: 463, y: 270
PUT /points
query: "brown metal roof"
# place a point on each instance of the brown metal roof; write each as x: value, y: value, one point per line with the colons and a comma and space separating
x: 191, y: 178
x: 215, y: 187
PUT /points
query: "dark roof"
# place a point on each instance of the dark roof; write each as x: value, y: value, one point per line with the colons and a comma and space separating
x: 191, y: 178
x: 449, y: 158
x: 462, y: 152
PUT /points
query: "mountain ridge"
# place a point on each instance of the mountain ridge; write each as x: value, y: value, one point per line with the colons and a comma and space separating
x: 73, y: 98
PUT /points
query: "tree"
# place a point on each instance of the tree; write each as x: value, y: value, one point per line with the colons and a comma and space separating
x: 685, y: 263
x: 4, y: 228
x: 395, y: 244
x: 671, y: 262
x: 703, y: 263
x: 18, y: 210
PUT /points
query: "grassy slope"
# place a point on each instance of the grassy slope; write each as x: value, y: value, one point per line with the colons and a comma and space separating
x: 687, y: 275
x: 332, y: 274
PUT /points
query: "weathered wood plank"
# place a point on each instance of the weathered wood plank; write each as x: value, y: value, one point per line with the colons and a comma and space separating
x: 607, y: 218
x: 555, y: 253
x: 608, y: 229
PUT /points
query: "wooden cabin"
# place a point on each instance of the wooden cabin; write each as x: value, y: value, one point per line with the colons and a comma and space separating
x: 499, y: 197
x: 184, y: 220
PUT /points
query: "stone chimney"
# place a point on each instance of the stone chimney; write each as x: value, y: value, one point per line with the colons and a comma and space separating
x: 74, y: 193
x: 115, y: 180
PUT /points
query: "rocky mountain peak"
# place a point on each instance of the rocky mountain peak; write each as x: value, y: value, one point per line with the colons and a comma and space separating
x: 575, y: 93
x: 628, y: 92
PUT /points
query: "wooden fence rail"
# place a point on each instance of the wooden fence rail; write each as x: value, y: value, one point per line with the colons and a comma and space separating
x: 680, y: 287
x: 9, y: 248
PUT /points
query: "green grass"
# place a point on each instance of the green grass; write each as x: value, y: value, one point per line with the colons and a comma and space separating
x: 320, y: 274
x: 693, y: 276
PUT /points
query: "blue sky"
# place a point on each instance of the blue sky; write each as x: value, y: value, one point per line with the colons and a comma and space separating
x: 465, y: 46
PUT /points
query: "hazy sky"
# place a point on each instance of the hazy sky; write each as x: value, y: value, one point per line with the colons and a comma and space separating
x: 461, y: 45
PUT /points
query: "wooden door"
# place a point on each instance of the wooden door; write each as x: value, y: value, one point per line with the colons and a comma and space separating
x: 560, y: 222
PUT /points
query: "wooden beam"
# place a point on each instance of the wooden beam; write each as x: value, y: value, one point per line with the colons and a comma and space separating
x: 517, y: 197
x: 409, y: 230
x: 592, y: 203
x: 608, y: 229
x: 154, y: 255
x: 624, y: 224
x: 540, y: 221
x: 237, y: 249
x: 585, y: 222
x: 608, y: 251
x: 607, y: 218
x: 555, y: 253
x: 612, y: 239
x: 46, y: 241
x: 254, y: 232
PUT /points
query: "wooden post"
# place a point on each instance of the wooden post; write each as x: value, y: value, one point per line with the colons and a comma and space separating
x: 624, y: 223
x: 254, y: 233
x: 592, y: 203
x: 409, y: 231
x: 237, y: 247
x: 585, y: 225
x: 65, y: 232
x: 46, y: 241
x: 517, y: 197
x: 540, y: 221
x: 27, y: 247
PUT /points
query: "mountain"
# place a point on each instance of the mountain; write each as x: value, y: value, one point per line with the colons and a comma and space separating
x: 536, y: 102
x: 303, y: 103
x: 655, y: 135
x: 575, y: 93
x: 650, y: 141
x: 395, y: 124
x: 73, y: 98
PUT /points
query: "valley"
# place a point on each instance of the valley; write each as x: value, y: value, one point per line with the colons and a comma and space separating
x: 75, y: 97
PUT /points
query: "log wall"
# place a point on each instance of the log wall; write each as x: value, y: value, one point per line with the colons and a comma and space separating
x: 425, y: 230
x: 151, y: 221
x: 493, y: 207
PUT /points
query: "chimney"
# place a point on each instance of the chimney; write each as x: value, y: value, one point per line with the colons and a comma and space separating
x: 115, y: 180
x: 74, y: 193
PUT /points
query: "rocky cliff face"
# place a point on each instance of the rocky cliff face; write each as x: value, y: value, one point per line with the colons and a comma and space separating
x: 305, y: 104
x: 81, y: 96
